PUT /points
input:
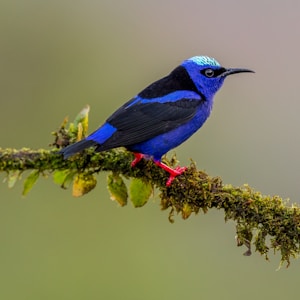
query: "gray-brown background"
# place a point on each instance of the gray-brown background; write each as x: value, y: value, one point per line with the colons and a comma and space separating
x: 57, y: 56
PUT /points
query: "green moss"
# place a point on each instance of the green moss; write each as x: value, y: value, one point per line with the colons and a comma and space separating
x: 264, y: 223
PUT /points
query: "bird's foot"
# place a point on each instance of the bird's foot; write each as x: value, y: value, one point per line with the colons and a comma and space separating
x: 173, y: 172
x: 177, y: 171
x: 138, y: 157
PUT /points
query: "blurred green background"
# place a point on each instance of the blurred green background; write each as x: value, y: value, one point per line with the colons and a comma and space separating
x: 57, y: 56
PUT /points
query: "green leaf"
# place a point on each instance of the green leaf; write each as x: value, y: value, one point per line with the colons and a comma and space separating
x: 83, y: 183
x: 140, y: 192
x: 186, y: 211
x: 63, y: 178
x: 117, y: 188
x: 30, y: 181
x: 12, y: 178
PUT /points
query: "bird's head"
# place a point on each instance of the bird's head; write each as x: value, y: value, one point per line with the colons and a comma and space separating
x: 207, y: 74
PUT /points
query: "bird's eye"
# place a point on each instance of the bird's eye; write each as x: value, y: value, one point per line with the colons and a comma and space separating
x: 209, y: 73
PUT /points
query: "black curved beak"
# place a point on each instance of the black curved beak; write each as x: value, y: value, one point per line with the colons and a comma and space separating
x: 231, y: 71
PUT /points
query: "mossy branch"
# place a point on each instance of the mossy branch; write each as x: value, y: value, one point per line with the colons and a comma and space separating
x: 262, y: 221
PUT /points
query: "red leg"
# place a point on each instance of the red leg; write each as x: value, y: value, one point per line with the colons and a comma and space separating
x: 138, y: 157
x: 173, y: 172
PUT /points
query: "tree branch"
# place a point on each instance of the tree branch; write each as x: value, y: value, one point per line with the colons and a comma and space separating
x: 257, y: 217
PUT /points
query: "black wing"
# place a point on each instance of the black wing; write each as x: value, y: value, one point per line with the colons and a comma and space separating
x: 143, y: 121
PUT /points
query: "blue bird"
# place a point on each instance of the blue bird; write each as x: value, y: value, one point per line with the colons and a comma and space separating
x: 163, y: 115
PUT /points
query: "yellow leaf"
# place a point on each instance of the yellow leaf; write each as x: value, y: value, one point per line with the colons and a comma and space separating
x: 83, y: 183
x: 81, y: 122
x: 79, y: 132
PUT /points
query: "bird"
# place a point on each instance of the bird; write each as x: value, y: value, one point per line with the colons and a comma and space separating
x: 163, y: 115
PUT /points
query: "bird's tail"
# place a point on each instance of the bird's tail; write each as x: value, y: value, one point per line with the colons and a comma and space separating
x: 77, y: 147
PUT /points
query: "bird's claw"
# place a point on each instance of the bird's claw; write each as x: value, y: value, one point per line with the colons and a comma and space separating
x: 138, y: 157
x: 175, y: 172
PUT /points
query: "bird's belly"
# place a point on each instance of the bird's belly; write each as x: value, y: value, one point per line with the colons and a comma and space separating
x: 161, y: 144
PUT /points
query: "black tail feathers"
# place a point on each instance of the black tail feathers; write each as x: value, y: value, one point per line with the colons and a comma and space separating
x: 77, y: 147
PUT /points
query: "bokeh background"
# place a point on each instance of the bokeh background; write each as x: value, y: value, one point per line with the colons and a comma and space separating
x: 58, y: 56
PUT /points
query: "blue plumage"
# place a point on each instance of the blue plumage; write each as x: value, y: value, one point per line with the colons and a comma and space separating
x: 163, y: 115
